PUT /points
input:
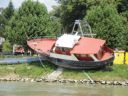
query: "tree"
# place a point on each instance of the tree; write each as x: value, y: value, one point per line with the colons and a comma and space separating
x: 108, y: 24
x: 5, y: 16
x: 70, y: 10
x: 55, y: 16
x: 122, y: 8
x: 9, y: 11
x: 2, y: 23
x: 6, y: 47
x: 30, y: 21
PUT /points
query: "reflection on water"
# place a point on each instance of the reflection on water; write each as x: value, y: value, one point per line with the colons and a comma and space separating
x: 55, y: 89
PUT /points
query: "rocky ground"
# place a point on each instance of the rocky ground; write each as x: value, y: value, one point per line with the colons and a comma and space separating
x: 16, y: 78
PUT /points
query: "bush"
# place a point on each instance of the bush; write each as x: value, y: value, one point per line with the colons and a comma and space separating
x: 6, y: 47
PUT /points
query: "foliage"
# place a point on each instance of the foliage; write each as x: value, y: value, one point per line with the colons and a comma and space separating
x: 6, y: 47
x: 108, y: 19
x: 5, y: 16
x: 55, y: 16
x: 30, y: 21
x: 9, y: 11
x: 122, y: 8
x: 108, y: 24
x: 69, y: 11
x: 2, y: 22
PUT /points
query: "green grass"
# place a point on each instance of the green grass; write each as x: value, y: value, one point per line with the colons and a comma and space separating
x: 35, y: 69
x: 115, y: 72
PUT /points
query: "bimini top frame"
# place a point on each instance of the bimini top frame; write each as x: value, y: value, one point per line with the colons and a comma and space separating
x: 86, y: 25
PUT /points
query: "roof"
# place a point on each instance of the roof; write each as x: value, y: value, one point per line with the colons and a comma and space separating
x: 67, y: 41
x: 41, y: 45
x: 88, y: 45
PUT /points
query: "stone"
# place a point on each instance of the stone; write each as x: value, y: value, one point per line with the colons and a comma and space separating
x: 27, y: 79
x: 108, y: 82
x: 115, y: 83
x: 123, y: 83
x: 32, y: 80
x: 97, y: 82
x: 92, y: 82
x: 55, y: 80
x: 38, y: 80
x: 80, y: 81
x: 23, y: 80
x: 103, y: 82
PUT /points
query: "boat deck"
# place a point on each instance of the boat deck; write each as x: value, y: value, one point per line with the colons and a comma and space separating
x: 41, y: 45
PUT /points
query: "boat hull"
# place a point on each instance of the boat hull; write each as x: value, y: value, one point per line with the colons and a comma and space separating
x: 70, y: 64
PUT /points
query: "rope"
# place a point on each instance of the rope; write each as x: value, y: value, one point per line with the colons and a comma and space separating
x: 41, y: 63
x: 88, y: 76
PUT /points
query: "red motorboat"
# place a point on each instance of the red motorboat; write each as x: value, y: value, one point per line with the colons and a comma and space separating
x: 74, y: 51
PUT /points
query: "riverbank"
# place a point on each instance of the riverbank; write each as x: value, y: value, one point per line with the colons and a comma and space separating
x: 73, y: 81
x: 37, y: 72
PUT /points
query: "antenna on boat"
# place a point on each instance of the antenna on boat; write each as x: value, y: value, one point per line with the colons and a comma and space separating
x: 85, y: 25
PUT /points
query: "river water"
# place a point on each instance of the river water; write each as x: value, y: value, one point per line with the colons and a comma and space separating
x: 58, y: 89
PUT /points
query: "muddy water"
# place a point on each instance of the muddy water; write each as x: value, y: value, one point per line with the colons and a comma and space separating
x: 57, y: 89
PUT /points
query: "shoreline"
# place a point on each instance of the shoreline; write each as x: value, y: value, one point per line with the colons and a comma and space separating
x: 35, y: 72
x: 73, y: 81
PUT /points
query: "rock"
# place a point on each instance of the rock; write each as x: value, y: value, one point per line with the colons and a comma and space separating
x: 108, y: 82
x: 8, y: 79
x: 43, y: 78
x: 85, y: 80
x: 103, y: 82
x: 32, y: 80
x: 18, y: 79
x: 126, y: 82
x: 4, y: 79
x: 75, y: 81
x: 71, y: 81
x: 55, y: 80
x: 92, y: 82
x: 46, y: 80
x: 23, y: 80
x: 97, y: 82
x: 115, y: 83
x: 63, y: 80
x: 80, y: 81
x: 38, y: 80
x: 88, y: 82
x: 27, y: 79
x: 123, y: 83
x: 13, y: 79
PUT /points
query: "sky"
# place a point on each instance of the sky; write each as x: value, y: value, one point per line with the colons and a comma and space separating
x: 17, y: 3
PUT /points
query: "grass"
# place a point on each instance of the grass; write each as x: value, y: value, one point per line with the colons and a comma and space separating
x: 116, y: 72
x: 35, y: 69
